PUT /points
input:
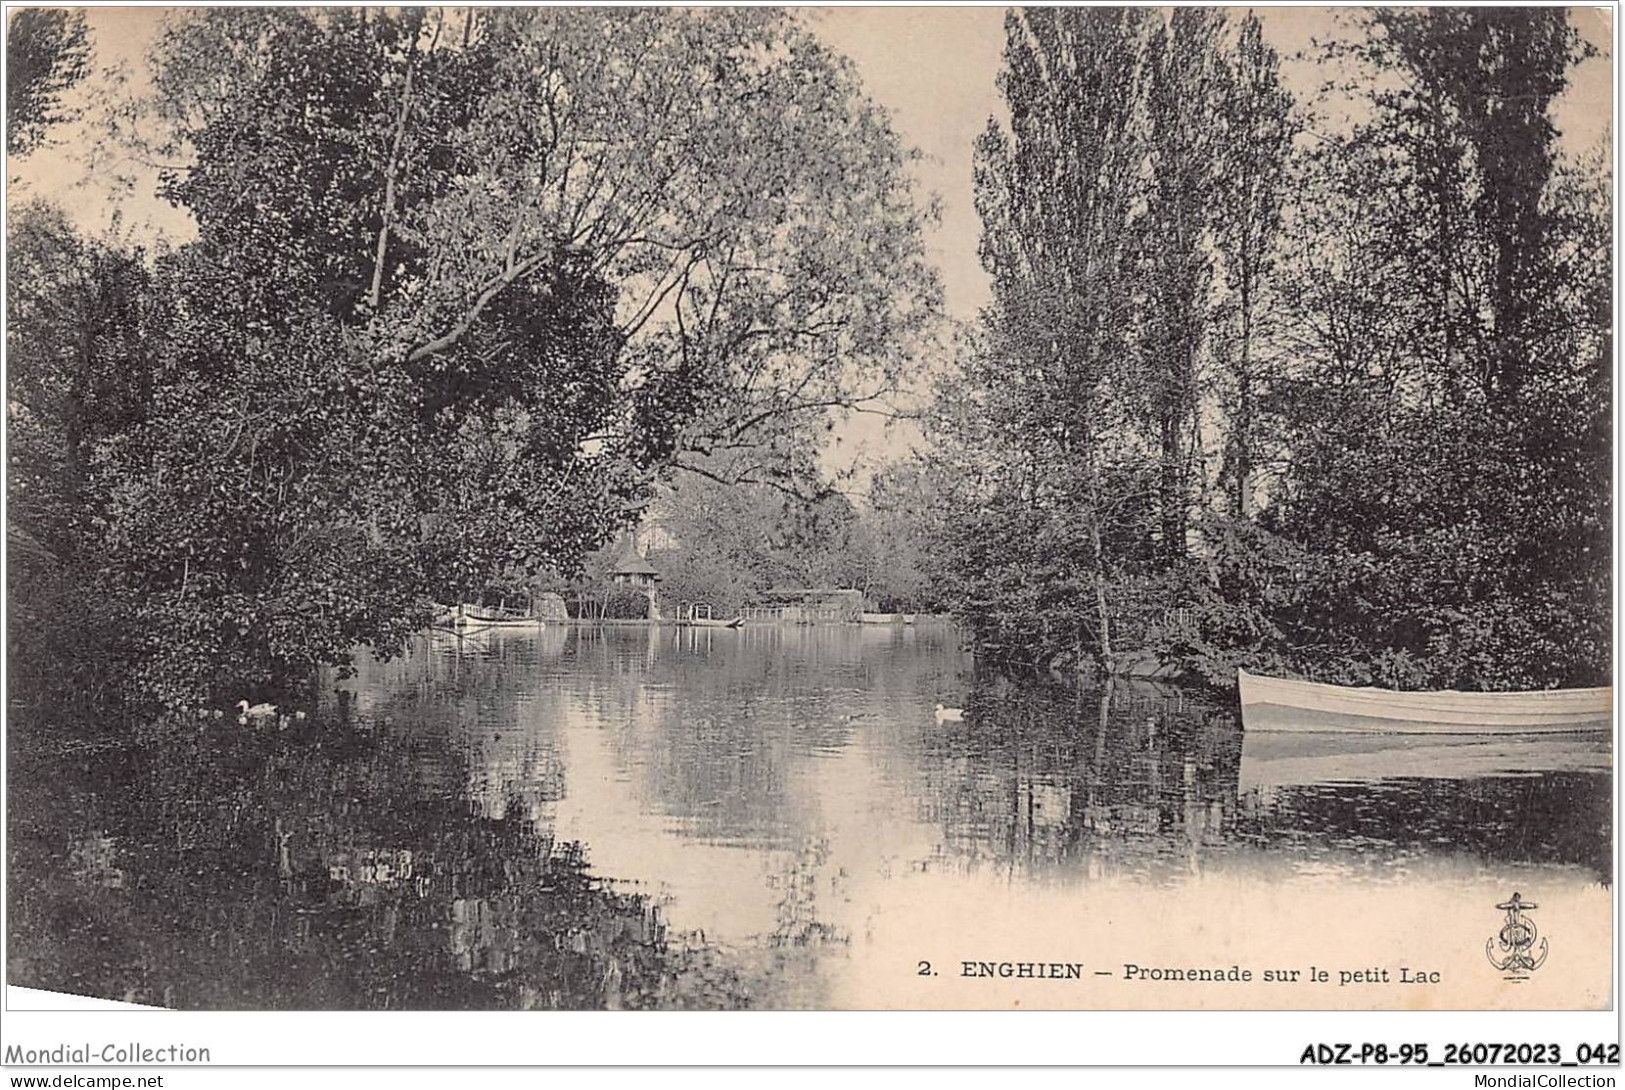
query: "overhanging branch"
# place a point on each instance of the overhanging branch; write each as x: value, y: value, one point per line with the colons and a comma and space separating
x: 492, y: 289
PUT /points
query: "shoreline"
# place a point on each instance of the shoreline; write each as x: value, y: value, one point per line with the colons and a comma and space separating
x: 922, y: 619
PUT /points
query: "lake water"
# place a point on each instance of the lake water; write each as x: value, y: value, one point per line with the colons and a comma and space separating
x: 774, y: 817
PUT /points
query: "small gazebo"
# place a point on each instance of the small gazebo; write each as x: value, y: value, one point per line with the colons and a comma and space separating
x: 632, y: 570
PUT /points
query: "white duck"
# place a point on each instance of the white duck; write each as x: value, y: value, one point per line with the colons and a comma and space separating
x: 949, y: 715
x: 258, y: 713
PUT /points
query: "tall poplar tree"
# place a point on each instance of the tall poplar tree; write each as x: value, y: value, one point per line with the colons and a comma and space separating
x: 1182, y: 102
x: 1257, y: 131
x: 1057, y: 195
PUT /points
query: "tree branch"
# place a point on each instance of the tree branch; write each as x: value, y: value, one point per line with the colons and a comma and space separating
x: 492, y: 289
x: 745, y: 478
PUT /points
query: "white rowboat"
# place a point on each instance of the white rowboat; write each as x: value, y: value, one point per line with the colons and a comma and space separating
x: 1282, y: 705
x: 712, y: 622
x: 477, y: 617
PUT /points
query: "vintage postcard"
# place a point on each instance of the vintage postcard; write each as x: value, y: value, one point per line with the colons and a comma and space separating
x: 810, y: 509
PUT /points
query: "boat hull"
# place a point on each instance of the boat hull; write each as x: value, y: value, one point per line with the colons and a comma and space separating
x: 706, y: 622
x: 1275, y: 705
x: 475, y: 617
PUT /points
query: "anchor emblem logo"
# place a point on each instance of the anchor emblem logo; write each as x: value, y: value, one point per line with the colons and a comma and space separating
x: 1519, y: 944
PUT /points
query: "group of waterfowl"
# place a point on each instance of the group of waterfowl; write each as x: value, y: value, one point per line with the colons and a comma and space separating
x: 255, y: 713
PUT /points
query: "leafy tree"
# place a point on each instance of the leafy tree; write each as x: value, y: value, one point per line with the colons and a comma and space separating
x: 80, y: 323
x: 720, y: 168
x: 1450, y: 370
x: 460, y: 290
x: 1257, y: 133
x: 47, y: 53
x: 1057, y: 195
x: 1182, y: 100
x: 80, y: 333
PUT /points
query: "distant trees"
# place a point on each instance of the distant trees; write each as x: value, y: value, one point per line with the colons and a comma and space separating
x: 463, y: 284
x: 1330, y: 403
x: 906, y: 521
x: 721, y: 542
x: 730, y: 543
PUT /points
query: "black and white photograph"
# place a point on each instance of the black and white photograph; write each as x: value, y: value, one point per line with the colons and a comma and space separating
x: 892, y: 508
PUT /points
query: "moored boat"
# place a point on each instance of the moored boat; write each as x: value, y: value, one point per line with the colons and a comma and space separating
x: 881, y: 618
x: 699, y: 615
x: 1285, y: 705
x: 486, y: 617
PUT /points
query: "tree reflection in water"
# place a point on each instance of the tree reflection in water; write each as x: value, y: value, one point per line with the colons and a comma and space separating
x: 654, y: 817
x: 321, y: 870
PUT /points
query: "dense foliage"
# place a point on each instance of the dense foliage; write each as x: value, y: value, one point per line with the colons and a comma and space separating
x: 1333, y: 402
x: 47, y: 53
x: 727, y: 545
x: 459, y: 293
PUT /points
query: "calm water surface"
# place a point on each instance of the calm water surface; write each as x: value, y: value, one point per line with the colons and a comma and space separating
x: 632, y: 817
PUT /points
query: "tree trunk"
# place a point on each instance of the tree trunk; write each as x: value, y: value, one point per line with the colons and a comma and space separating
x: 1243, y: 427
x: 1102, y: 610
x: 391, y: 169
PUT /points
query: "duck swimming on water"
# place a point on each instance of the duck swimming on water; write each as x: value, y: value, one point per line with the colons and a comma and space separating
x: 256, y: 713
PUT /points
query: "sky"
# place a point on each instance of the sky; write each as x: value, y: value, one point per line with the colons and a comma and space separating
x: 931, y: 68
x: 934, y: 68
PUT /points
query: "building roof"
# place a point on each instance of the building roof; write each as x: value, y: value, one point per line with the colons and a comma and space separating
x: 633, y: 564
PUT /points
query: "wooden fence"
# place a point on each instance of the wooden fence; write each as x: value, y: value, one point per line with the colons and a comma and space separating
x: 798, y: 614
